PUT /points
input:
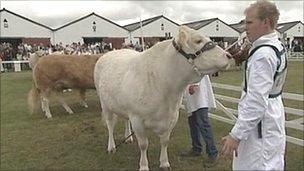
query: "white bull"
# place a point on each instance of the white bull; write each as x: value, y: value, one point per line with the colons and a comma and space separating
x: 147, y: 87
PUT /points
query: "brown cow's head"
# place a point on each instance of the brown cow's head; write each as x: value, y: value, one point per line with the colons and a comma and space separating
x: 239, y: 53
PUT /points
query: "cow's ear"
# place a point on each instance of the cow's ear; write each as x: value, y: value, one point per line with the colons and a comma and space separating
x: 182, y: 36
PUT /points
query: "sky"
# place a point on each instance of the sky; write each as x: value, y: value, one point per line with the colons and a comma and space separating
x: 57, y: 13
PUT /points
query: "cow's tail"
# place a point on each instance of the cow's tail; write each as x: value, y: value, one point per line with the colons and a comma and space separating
x: 34, y: 57
x: 34, y: 99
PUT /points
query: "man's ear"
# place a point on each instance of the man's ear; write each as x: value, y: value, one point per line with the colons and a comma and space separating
x: 267, y: 21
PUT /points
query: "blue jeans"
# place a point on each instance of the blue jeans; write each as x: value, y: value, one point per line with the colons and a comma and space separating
x: 200, y: 126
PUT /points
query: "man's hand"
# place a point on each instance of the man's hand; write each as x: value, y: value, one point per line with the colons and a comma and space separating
x: 192, y: 89
x: 230, y: 146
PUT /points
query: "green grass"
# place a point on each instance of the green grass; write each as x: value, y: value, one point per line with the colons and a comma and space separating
x: 79, y: 141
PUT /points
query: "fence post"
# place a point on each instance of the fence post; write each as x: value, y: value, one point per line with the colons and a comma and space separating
x: 17, y: 66
x: 2, y: 68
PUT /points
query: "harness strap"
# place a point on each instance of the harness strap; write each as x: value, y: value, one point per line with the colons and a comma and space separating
x: 209, y: 45
x: 190, y: 57
x: 181, y: 51
x: 260, y: 129
x: 278, y: 54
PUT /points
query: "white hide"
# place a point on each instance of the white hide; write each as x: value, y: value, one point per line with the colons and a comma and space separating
x: 147, y: 87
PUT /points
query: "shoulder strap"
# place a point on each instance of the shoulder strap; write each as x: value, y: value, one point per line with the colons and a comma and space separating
x: 278, y: 54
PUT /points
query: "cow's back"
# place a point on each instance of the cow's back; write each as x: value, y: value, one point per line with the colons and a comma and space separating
x: 65, y: 71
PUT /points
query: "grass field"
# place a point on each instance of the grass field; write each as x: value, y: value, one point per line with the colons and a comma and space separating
x: 78, y: 141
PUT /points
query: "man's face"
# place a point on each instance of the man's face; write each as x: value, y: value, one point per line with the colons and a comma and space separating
x: 254, y: 26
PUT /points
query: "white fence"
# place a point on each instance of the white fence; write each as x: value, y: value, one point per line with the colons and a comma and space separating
x: 296, y: 124
x: 295, y: 56
x: 15, y: 66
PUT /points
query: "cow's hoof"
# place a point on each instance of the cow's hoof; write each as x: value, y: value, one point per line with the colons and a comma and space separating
x: 112, y: 151
x: 70, y: 112
x: 144, y: 169
x: 165, y: 168
x: 48, y: 116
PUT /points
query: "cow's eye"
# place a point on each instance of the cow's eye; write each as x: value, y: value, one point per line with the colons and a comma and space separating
x: 198, y: 41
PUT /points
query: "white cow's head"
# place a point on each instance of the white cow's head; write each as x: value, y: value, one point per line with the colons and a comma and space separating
x: 211, y: 58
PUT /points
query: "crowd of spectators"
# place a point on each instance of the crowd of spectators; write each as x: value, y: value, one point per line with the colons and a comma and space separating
x: 23, y: 50
x: 138, y: 47
x: 297, y: 46
x: 7, y: 51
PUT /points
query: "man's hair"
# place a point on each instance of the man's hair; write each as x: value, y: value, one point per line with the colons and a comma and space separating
x: 266, y: 9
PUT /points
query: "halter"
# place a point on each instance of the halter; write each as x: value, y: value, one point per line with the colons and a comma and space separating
x: 190, y: 57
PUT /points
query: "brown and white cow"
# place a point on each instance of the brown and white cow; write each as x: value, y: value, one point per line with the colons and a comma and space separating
x: 54, y: 73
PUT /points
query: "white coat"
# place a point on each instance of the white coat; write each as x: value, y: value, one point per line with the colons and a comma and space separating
x: 266, y: 153
x: 202, y: 97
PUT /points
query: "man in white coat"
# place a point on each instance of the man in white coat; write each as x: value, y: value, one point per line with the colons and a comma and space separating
x: 257, y: 140
x: 199, y: 98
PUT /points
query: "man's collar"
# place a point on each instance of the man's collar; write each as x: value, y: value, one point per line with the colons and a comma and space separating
x: 265, y: 39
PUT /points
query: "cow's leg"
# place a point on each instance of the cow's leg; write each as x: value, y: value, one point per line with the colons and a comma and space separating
x: 110, y: 120
x: 164, y: 140
x: 45, y: 104
x: 46, y: 107
x: 128, y: 131
x: 142, y: 140
x: 82, y: 98
x: 63, y: 103
x: 42, y: 104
